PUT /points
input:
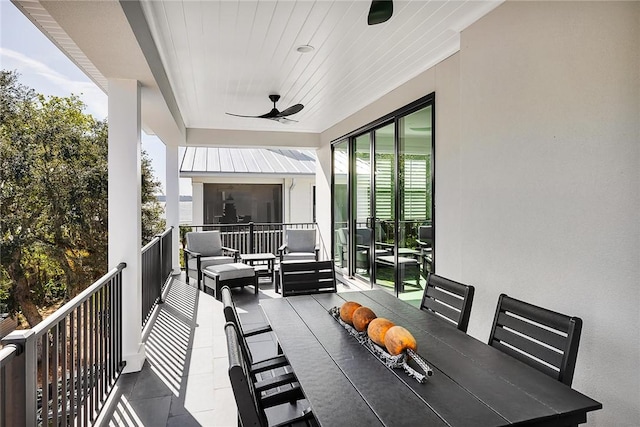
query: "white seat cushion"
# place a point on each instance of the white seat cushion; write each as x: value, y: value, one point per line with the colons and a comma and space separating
x: 234, y: 270
x: 209, y: 260
x: 299, y: 256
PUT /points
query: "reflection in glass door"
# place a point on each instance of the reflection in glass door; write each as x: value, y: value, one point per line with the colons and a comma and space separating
x: 384, y: 230
x: 415, y: 197
x: 341, y: 206
x: 362, y: 207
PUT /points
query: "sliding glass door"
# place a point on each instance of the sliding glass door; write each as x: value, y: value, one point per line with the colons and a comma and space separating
x: 385, y: 235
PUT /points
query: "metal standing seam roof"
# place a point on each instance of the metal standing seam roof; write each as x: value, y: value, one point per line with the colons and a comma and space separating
x: 221, y: 160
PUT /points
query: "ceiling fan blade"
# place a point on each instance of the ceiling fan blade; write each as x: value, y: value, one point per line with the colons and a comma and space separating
x: 240, y: 115
x: 291, y: 110
x: 381, y: 11
x: 284, y: 120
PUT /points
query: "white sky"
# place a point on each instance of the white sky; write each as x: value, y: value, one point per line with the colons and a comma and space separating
x: 23, y: 48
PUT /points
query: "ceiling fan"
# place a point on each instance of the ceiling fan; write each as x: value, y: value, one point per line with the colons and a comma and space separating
x: 274, y: 114
x: 381, y: 11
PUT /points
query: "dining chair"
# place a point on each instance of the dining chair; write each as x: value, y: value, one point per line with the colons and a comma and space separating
x: 307, y: 277
x: 448, y: 300
x: 282, y: 408
x: 231, y: 315
x: 539, y: 337
x: 204, y: 249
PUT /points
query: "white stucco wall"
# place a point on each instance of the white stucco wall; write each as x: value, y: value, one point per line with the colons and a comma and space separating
x: 538, y: 176
x: 549, y: 188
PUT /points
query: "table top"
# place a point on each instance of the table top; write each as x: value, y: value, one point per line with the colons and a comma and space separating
x: 257, y: 257
x: 473, y: 384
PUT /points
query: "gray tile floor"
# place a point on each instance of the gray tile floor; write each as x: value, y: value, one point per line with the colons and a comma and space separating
x: 184, y: 381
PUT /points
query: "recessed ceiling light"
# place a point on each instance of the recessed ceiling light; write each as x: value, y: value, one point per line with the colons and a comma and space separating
x: 305, y: 48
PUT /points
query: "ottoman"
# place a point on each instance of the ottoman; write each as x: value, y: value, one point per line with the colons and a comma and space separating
x: 232, y: 275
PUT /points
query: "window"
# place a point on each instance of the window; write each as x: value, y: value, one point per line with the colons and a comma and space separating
x: 242, y: 203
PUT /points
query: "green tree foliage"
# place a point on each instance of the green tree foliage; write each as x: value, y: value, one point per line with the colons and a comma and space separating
x: 152, y: 221
x: 53, y: 198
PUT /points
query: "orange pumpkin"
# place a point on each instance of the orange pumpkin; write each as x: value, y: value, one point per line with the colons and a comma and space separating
x: 362, y: 317
x: 398, y: 339
x: 346, y: 311
x: 378, y: 328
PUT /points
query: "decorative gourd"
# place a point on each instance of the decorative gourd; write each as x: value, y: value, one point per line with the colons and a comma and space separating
x: 362, y: 317
x: 399, y: 339
x: 346, y: 311
x: 378, y: 328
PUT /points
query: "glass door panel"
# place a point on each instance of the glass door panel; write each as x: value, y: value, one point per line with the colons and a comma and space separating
x: 383, y: 210
x: 415, y: 227
x: 341, y: 206
x: 384, y: 230
x: 362, y: 207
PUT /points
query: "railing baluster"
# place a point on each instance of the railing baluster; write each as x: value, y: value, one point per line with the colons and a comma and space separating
x: 103, y: 343
x: 92, y: 361
x: 44, y: 378
x: 99, y: 354
x: 79, y: 366
x: 65, y: 401
x: 55, y: 354
x: 112, y: 354
x: 85, y: 374
x: 118, y: 288
x: 72, y: 376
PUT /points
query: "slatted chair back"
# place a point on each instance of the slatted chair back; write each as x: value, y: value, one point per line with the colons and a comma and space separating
x: 545, y: 339
x: 449, y: 300
x: 249, y: 411
x: 307, y: 277
x: 231, y: 315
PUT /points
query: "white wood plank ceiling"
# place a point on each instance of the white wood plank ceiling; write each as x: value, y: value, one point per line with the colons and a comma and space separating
x: 228, y: 56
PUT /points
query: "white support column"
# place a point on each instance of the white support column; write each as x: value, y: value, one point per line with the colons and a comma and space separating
x: 197, y: 205
x: 172, y: 206
x: 286, y: 189
x: 124, y: 211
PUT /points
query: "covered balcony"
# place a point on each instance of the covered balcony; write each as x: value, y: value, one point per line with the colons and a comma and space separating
x: 534, y: 176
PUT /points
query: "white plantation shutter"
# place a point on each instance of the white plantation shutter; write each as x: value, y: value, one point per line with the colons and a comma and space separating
x: 384, y: 188
x: 364, y: 190
x: 415, y: 189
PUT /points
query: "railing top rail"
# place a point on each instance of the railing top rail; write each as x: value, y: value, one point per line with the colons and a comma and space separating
x: 149, y: 245
x: 62, y: 312
x: 165, y: 232
x: 155, y: 239
x: 7, y: 353
x: 247, y: 224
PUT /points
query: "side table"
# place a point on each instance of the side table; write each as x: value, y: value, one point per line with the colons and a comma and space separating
x: 263, y: 263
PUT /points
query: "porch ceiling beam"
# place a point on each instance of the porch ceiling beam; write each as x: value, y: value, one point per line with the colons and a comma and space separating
x: 248, y: 138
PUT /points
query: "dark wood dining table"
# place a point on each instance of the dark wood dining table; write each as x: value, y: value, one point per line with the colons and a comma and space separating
x: 472, y: 384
